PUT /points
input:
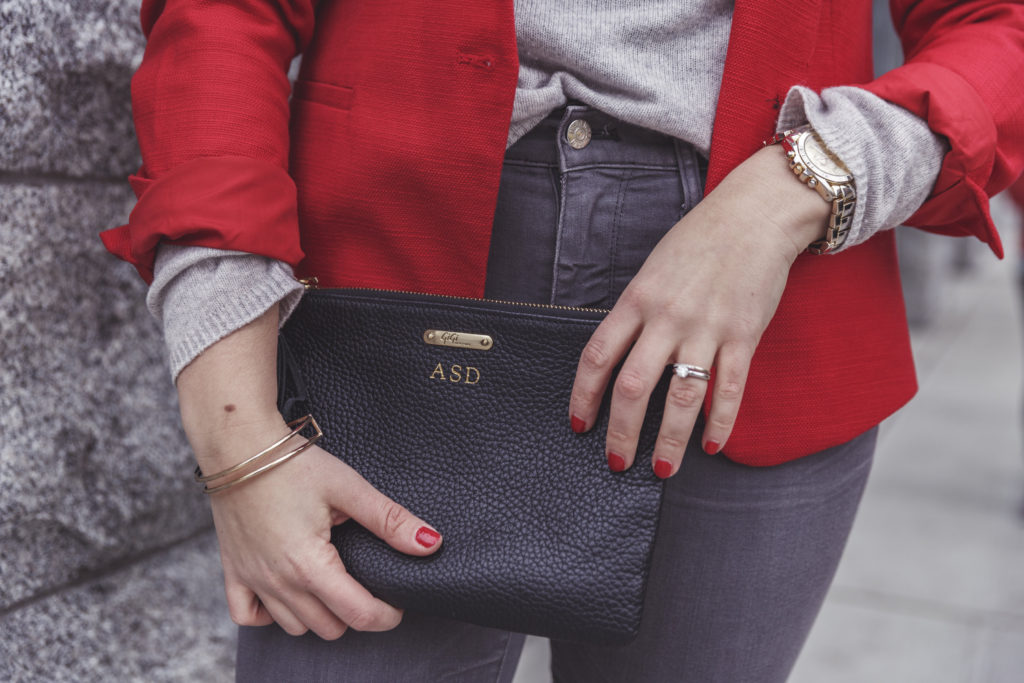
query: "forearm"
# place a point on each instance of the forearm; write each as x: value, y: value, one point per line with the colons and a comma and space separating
x: 228, y: 394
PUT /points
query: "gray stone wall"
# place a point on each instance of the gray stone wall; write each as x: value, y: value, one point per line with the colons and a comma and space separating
x: 108, y: 565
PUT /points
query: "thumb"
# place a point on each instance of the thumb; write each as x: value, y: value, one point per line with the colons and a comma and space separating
x: 385, y: 518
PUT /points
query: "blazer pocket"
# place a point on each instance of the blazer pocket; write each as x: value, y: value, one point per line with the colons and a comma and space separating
x: 336, y: 96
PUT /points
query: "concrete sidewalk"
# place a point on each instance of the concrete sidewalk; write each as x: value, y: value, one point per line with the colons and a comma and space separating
x: 931, y: 588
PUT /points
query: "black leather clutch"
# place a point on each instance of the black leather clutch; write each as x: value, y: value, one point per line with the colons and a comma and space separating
x: 458, y: 409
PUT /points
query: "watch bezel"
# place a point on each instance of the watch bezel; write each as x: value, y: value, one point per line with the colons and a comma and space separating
x: 803, y: 139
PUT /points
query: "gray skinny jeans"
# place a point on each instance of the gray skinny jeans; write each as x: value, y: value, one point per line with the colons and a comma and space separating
x: 744, y: 555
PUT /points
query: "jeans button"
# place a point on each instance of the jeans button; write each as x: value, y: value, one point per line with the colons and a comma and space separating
x: 578, y: 134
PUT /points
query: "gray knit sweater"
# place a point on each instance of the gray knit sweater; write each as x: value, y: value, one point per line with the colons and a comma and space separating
x: 657, y: 64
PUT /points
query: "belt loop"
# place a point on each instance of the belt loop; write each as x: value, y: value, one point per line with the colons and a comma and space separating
x: 691, y: 173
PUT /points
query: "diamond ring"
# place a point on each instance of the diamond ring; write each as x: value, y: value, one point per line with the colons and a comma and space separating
x: 684, y: 370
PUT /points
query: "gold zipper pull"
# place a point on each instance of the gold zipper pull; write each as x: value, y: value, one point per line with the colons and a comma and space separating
x: 310, y: 282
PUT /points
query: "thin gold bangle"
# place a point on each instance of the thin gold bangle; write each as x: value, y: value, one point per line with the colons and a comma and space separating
x: 270, y: 465
x: 203, y: 478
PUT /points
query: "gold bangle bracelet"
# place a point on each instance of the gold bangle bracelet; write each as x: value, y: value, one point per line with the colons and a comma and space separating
x: 301, y: 423
x: 270, y: 465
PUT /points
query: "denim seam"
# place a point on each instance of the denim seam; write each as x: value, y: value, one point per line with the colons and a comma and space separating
x: 619, y: 201
x: 689, y: 175
x: 570, y: 113
x: 634, y: 167
x: 559, y: 225
x: 556, y: 185
x: 504, y: 658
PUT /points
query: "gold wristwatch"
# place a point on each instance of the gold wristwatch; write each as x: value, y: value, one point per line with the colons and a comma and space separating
x: 814, y: 164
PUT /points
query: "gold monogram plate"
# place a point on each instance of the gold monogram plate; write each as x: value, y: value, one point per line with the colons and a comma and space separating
x: 459, y: 340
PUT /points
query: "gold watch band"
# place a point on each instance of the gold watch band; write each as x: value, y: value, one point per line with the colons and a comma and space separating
x: 839, y: 221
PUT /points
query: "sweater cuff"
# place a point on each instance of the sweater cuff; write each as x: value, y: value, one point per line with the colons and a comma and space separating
x: 893, y: 155
x: 200, y: 295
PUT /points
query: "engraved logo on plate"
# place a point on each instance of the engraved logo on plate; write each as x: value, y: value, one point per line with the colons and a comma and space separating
x: 461, y: 340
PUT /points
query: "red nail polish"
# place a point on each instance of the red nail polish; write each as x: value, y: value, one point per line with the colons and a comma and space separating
x: 427, y: 537
x: 662, y: 468
x: 711, y: 447
x: 616, y: 463
x: 578, y: 425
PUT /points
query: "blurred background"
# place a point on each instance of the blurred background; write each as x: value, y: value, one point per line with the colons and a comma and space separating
x: 108, y: 564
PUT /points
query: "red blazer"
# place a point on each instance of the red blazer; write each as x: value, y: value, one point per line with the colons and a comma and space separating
x: 383, y: 169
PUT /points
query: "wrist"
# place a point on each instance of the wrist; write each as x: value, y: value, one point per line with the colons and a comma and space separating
x: 228, y: 394
x: 219, y: 446
x: 785, y: 204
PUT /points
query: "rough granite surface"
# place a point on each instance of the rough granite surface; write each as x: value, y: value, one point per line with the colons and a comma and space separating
x: 94, y: 465
x: 65, y: 105
x: 162, y: 619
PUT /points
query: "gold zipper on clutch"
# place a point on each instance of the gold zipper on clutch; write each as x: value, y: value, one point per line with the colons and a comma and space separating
x: 314, y: 283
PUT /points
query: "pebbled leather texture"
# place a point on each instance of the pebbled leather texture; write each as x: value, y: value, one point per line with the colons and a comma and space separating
x: 539, y: 536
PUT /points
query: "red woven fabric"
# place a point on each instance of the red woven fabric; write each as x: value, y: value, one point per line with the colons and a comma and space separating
x: 210, y: 104
x: 398, y: 136
x: 223, y: 202
x: 398, y: 131
x: 964, y: 77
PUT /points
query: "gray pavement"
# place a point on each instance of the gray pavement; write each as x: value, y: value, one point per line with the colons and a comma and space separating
x: 931, y: 588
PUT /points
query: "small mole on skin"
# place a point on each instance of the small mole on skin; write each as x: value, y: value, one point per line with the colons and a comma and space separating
x: 229, y: 408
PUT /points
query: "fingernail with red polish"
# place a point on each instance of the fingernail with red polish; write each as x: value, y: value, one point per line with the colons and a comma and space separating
x: 616, y: 463
x: 427, y: 537
x: 662, y: 468
x: 711, y: 447
x: 578, y: 425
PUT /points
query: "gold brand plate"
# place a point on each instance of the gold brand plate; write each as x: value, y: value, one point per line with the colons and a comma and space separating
x: 459, y: 340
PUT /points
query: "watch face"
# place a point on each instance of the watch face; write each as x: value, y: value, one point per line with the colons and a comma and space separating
x: 820, y: 161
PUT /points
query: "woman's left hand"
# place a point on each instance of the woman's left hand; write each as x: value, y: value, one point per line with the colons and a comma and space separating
x: 704, y: 296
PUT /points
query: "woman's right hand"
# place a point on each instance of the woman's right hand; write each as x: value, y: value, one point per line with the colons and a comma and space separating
x: 275, y: 529
x: 275, y: 544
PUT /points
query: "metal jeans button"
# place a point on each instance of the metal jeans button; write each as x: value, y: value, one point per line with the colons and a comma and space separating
x: 578, y: 135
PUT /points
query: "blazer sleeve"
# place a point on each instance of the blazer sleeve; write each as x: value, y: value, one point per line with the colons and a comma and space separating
x: 210, y: 105
x: 962, y: 74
